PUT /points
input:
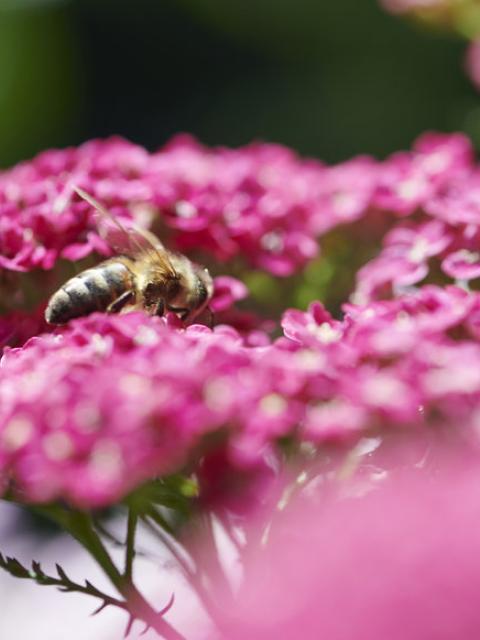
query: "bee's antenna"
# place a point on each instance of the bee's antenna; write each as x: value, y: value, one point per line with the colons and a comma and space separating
x: 211, y: 319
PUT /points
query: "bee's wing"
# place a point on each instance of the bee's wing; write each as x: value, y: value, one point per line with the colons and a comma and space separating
x: 132, y: 241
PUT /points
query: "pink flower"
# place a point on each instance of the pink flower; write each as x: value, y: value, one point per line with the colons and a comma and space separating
x: 227, y: 290
x: 109, y: 402
x: 224, y: 486
x: 260, y: 202
x: 408, y: 180
x: 316, y: 326
x: 336, y: 420
x: 96, y: 412
x: 404, y: 259
x: 462, y: 265
x: 345, y: 193
x: 253, y: 201
x: 401, y: 562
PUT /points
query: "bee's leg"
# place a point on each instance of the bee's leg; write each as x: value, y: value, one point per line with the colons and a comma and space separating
x: 118, y: 304
x: 206, y: 317
x: 160, y: 308
x: 211, y: 317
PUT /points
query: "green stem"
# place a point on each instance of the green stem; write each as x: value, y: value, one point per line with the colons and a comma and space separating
x: 157, y: 517
x: 80, y: 526
x: 194, y: 576
x: 165, y: 540
x: 130, y: 544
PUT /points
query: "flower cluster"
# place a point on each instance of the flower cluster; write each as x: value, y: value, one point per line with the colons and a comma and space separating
x: 111, y: 401
x: 256, y: 201
x: 93, y: 410
x: 435, y: 190
x: 260, y: 202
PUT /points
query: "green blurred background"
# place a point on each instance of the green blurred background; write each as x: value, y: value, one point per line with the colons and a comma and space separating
x: 331, y: 78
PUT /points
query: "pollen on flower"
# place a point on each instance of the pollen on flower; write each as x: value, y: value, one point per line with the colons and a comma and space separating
x: 218, y: 393
x: 58, y: 446
x: 384, y: 389
x: 272, y: 241
x: 185, y: 209
x: 16, y: 433
x: 146, y: 336
x: 410, y: 188
x: 419, y: 250
x: 450, y: 379
x: 33, y: 383
x: 106, y: 461
x: 325, y: 332
x: 87, y: 417
x: 309, y: 360
x: 61, y: 202
x: 273, y: 405
x: 134, y: 385
x: 470, y: 256
x: 101, y: 344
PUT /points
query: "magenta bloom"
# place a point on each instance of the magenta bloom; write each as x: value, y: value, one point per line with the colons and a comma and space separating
x: 92, y: 411
x: 404, y: 259
x: 402, y: 563
x: 406, y: 181
x: 260, y: 202
x: 254, y: 201
x: 462, y: 265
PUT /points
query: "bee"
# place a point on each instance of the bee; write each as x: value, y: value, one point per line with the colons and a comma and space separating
x: 143, y: 276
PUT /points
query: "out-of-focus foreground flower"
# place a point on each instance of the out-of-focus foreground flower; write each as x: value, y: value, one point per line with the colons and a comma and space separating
x: 402, y: 563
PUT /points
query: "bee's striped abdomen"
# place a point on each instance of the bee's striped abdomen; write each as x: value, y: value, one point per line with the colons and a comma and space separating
x: 92, y: 290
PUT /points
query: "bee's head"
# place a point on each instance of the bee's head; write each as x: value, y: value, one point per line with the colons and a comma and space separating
x: 191, y: 294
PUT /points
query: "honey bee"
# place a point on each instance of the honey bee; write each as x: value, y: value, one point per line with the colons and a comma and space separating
x: 143, y: 276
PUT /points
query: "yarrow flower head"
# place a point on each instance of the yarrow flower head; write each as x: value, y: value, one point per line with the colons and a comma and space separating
x: 93, y: 410
x: 260, y: 202
x: 254, y: 201
x: 187, y: 423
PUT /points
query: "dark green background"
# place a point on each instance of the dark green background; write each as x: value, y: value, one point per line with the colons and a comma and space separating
x: 329, y: 78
